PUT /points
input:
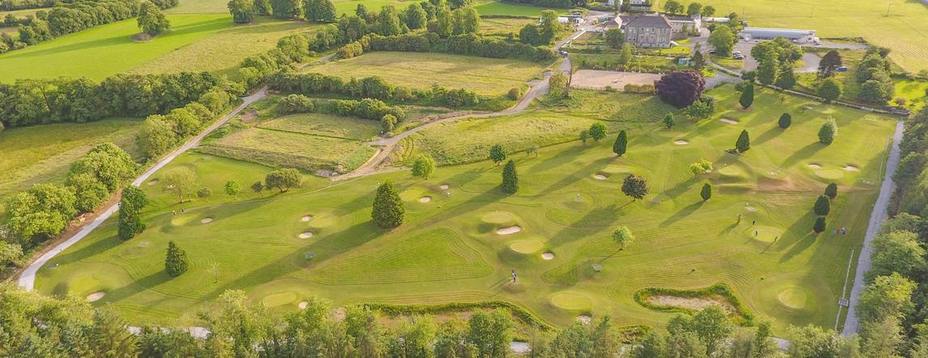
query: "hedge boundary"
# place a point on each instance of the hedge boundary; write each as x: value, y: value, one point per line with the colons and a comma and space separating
x: 744, y: 316
x: 519, y: 312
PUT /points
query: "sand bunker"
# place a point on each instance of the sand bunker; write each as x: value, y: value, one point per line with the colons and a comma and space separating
x: 815, y: 166
x: 153, y: 182
x: 444, y: 187
x: 509, y: 230
x: 600, y: 176
x: 520, y: 347
x: 547, y: 256
x: 206, y: 220
x: 425, y: 199
x: 306, y: 218
x: 750, y: 209
x: 728, y: 121
x: 303, y: 305
x: 681, y: 142
x: 96, y: 296
x: 851, y: 168
x: 691, y: 303
x: 584, y: 319
x: 793, y: 297
x: 306, y: 235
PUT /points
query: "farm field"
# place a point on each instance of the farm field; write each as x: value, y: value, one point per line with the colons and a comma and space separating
x: 348, y: 7
x: 43, y: 153
x: 200, y: 42
x: 754, y: 234
x: 897, y: 24
x: 486, y: 76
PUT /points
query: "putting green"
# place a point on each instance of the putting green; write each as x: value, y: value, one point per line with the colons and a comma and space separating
x: 733, y: 171
x: 527, y: 246
x: 617, y: 169
x: 793, y: 297
x: 279, y: 299
x: 764, y: 233
x: 571, y: 300
x: 830, y: 174
x: 500, y: 218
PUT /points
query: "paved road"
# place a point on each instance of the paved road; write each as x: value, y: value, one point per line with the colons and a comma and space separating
x: 27, y: 277
x: 877, y: 216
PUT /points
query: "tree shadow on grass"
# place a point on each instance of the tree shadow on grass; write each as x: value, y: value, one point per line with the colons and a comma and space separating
x: 767, y: 136
x: 682, y: 213
x: 577, y: 175
x: 136, y: 286
x: 555, y: 161
x: 803, y: 153
x: 680, y: 188
x: 801, y: 237
x: 595, y: 221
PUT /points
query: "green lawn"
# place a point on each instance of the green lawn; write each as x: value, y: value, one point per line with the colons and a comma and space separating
x: 43, y: 153
x: 913, y: 91
x: 487, y: 76
x: 197, y: 42
x: 449, y: 249
x: 325, y: 125
x: 510, y: 9
x: 904, y: 30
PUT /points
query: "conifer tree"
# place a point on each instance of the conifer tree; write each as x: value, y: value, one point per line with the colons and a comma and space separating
x: 510, y: 178
x: 621, y: 143
x: 831, y: 190
x: 785, y: 120
x: 822, y: 206
x: 388, y: 211
x: 747, y: 96
x: 706, y: 192
x: 744, y: 142
x: 176, y: 262
x: 130, y: 222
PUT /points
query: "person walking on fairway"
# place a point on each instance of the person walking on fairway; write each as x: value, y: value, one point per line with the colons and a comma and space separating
x: 514, y: 276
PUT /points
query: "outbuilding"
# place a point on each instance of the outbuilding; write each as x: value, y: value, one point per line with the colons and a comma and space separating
x: 767, y: 33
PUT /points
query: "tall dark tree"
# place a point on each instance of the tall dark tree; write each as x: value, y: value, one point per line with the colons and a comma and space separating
x: 283, y: 179
x: 388, y: 210
x: 828, y: 64
x: 510, y: 178
x: 786, y: 77
x: 176, y: 261
x: 831, y: 191
x: 706, y: 192
x: 747, y: 96
x: 822, y: 206
x: 243, y: 11
x: 785, y: 120
x: 621, y: 143
x: 415, y: 17
x: 681, y: 88
x: 263, y: 7
x: 286, y: 9
x: 130, y: 207
x: 819, y: 225
x: 635, y: 186
x: 744, y: 142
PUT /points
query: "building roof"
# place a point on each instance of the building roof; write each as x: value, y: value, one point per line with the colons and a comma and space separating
x: 645, y: 21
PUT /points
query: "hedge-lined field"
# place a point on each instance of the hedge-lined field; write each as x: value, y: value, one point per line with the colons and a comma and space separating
x: 486, y: 76
x: 569, y: 202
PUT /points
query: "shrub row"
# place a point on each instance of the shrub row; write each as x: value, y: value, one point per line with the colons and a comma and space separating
x: 744, y: 316
x: 11, y: 5
x: 160, y: 133
x: 519, y: 312
x: 465, y: 44
x: 368, y: 108
x: 370, y: 87
x: 29, y: 102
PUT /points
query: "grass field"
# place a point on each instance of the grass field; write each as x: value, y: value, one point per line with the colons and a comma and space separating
x: 44, y: 153
x: 197, y: 42
x: 901, y: 25
x: 569, y: 202
x: 349, y: 6
x: 487, y: 76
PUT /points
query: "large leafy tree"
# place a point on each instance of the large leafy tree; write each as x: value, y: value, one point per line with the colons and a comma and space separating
x: 423, y: 167
x: 151, y: 21
x: 388, y: 211
x: 497, y: 153
x: 635, y: 187
x: 598, y: 131
x: 243, y: 11
x: 40, y: 212
x: 623, y: 237
x: 829, y: 63
x: 681, y: 88
x: 897, y: 251
x: 827, y: 133
x: 829, y: 89
x: 283, y: 179
x: 723, y: 39
x: 285, y: 9
x: 415, y: 17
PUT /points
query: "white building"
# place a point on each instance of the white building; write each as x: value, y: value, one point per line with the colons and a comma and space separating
x: 767, y: 33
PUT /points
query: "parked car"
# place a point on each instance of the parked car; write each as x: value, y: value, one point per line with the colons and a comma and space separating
x: 737, y: 56
x: 841, y: 69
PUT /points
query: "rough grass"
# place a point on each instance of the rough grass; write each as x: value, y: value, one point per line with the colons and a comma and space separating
x: 325, y: 125
x: 292, y: 150
x: 39, y: 154
x: 487, y: 76
x: 682, y: 242
x: 904, y: 30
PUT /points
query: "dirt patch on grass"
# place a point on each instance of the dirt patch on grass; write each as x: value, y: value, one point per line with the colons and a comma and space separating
x: 249, y: 115
x: 729, y: 121
x: 600, y: 176
x: 681, y: 142
x: 598, y: 79
x: 425, y: 199
x: 206, y: 220
x: 547, y: 256
x: 96, y: 296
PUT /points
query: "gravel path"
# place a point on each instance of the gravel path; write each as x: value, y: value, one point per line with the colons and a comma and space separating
x: 877, y: 216
x: 27, y: 277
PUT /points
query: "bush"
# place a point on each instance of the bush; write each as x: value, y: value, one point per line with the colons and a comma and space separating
x: 828, y: 131
x: 388, y: 211
x: 819, y: 225
x: 204, y: 193
x: 680, y: 89
x: 510, y: 178
x: 283, y: 179
x: 514, y: 93
x: 785, y: 120
x: 295, y: 103
x: 176, y: 261
x: 701, y: 167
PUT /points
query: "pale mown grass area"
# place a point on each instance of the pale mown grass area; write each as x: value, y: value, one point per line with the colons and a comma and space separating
x: 487, y: 76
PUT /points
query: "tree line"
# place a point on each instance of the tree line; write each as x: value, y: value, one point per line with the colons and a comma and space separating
x: 12, y: 5
x: 45, y: 210
x: 30, y: 102
x: 367, y: 108
x: 371, y: 87
x: 73, y: 17
x: 465, y: 44
x: 560, y: 4
x: 37, y: 325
